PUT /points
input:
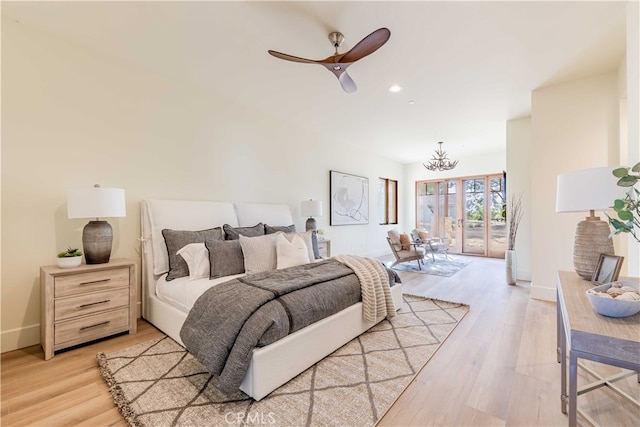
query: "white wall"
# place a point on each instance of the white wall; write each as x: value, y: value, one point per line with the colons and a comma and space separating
x: 75, y: 117
x: 519, y: 147
x: 574, y: 126
x: 632, y: 153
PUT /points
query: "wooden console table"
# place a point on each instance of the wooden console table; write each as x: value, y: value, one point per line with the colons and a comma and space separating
x: 588, y: 335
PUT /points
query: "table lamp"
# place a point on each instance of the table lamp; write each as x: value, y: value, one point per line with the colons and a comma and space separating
x: 588, y: 190
x: 96, y: 202
x: 311, y: 208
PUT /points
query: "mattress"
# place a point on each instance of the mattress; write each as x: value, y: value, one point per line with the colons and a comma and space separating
x: 182, y: 292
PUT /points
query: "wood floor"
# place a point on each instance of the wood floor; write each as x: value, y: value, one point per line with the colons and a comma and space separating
x: 497, y: 368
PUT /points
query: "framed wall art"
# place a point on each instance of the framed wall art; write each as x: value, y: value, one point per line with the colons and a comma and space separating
x: 607, y: 269
x: 349, y: 201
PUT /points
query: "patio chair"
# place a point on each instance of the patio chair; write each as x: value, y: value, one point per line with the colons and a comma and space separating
x: 414, y: 253
x: 431, y: 244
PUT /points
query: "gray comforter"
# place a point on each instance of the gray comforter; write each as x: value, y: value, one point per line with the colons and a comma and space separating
x: 229, y: 320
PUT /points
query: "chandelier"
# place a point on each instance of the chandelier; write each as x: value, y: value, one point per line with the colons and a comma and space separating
x: 439, y: 161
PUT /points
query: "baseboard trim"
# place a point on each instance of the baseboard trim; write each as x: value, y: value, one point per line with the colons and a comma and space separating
x: 524, y: 275
x: 14, y: 339
x: 542, y: 293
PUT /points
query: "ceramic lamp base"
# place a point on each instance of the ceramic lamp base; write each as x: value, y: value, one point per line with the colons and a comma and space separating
x: 97, y: 237
x: 592, y: 239
x: 311, y: 224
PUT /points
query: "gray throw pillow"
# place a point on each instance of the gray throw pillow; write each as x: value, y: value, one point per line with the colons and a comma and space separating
x: 284, y: 228
x: 177, y: 239
x: 233, y: 233
x: 225, y: 258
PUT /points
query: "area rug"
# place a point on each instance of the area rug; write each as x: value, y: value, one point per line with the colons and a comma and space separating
x: 445, y: 267
x: 157, y: 383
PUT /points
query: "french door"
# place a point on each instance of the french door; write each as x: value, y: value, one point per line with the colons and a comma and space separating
x: 467, y: 212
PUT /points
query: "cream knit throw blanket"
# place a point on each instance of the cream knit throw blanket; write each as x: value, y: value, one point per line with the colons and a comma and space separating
x: 377, y: 302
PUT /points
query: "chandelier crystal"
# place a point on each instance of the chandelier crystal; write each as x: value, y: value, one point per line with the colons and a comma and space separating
x: 439, y: 161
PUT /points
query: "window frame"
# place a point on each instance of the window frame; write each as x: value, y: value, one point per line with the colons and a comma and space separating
x: 390, y: 206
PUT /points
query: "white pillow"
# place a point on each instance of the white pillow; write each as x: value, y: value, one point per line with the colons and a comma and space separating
x: 259, y: 252
x: 291, y: 253
x: 196, y: 256
x: 306, y: 237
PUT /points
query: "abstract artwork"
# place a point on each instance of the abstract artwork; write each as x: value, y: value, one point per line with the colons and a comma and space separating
x: 349, y: 203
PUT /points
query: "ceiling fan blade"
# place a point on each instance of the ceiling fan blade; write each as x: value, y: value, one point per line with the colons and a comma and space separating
x: 347, y: 83
x: 340, y: 71
x: 367, y: 45
x: 291, y: 57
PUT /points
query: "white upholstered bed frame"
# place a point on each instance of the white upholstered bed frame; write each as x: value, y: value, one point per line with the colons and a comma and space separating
x: 277, y: 363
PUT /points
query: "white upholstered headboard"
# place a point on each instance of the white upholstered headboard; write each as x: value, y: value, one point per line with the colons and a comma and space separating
x: 250, y: 214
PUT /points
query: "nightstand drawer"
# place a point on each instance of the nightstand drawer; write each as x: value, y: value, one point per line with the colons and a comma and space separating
x: 90, y: 327
x: 91, y: 281
x: 324, y: 248
x: 94, y: 302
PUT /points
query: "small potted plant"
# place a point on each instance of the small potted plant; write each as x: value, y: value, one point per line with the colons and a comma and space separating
x: 69, y: 258
x: 628, y: 208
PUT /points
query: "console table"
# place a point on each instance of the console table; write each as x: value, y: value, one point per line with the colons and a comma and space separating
x: 588, y: 335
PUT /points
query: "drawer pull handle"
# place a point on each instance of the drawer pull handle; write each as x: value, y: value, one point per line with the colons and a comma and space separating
x: 94, y: 303
x: 95, y: 282
x: 96, y: 325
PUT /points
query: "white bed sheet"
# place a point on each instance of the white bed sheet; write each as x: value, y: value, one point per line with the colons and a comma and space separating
x: 182, y: 292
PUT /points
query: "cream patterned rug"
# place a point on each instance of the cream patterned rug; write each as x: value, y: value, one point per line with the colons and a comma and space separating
x: 157, y: 383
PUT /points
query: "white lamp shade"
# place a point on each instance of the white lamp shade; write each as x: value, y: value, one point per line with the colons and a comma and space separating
x: 95, y: 202
x: 587, y: 189
x: 311, y: 208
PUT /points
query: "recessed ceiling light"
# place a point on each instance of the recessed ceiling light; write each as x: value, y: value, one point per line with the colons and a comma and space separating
x: 395, y: 88
x: 411, y: 102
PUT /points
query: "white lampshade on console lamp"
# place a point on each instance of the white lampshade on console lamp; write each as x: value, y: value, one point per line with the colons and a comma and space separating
x: 311, y: 208
x: 588, y: 190
x: 96, y: 202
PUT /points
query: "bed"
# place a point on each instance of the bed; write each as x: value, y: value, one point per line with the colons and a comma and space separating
x: 166, y: 304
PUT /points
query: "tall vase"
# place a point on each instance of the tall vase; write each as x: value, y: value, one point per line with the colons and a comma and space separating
x: 510, y: 266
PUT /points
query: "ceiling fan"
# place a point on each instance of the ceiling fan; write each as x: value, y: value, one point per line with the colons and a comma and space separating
x: 338, y: 62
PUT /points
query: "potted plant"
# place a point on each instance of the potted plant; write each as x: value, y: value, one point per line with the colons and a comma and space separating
x: 627, y: 209
x: 69, y: 258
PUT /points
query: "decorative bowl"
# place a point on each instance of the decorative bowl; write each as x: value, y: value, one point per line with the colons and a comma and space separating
x: 69, y: 262
x: 613, y: 307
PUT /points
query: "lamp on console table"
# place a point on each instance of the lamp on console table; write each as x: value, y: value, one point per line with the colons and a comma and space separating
x: 311, y: 208
x: 96, y: 202
x: 588, y: 190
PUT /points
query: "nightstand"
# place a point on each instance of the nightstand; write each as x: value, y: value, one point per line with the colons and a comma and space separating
x: 324, y: 248
x: 82, y: 304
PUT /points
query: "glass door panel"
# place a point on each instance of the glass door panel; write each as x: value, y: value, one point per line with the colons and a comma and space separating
x: 426, y: 205
x: 449, y: 215
x: 498, y: 228
x: 473, y: 227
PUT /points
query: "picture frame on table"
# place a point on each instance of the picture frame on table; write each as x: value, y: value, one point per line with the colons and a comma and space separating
x: 607, y: 269
x: 349, y: 199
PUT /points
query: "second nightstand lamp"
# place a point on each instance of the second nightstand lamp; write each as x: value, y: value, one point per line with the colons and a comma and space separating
x: 311, y: 208
x: 96, y: 202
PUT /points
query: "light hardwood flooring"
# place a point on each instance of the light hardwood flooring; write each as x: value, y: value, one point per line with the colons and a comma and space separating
x: 498, y: 367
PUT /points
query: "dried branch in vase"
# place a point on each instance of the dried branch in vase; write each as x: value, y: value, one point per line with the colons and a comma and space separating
x: 514, y: 214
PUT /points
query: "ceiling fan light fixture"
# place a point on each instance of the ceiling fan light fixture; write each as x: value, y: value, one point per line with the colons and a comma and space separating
x: 440, y: 160
x: 338, y: 62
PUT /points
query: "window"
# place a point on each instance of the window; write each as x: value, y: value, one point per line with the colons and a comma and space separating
x: 388, y: 201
